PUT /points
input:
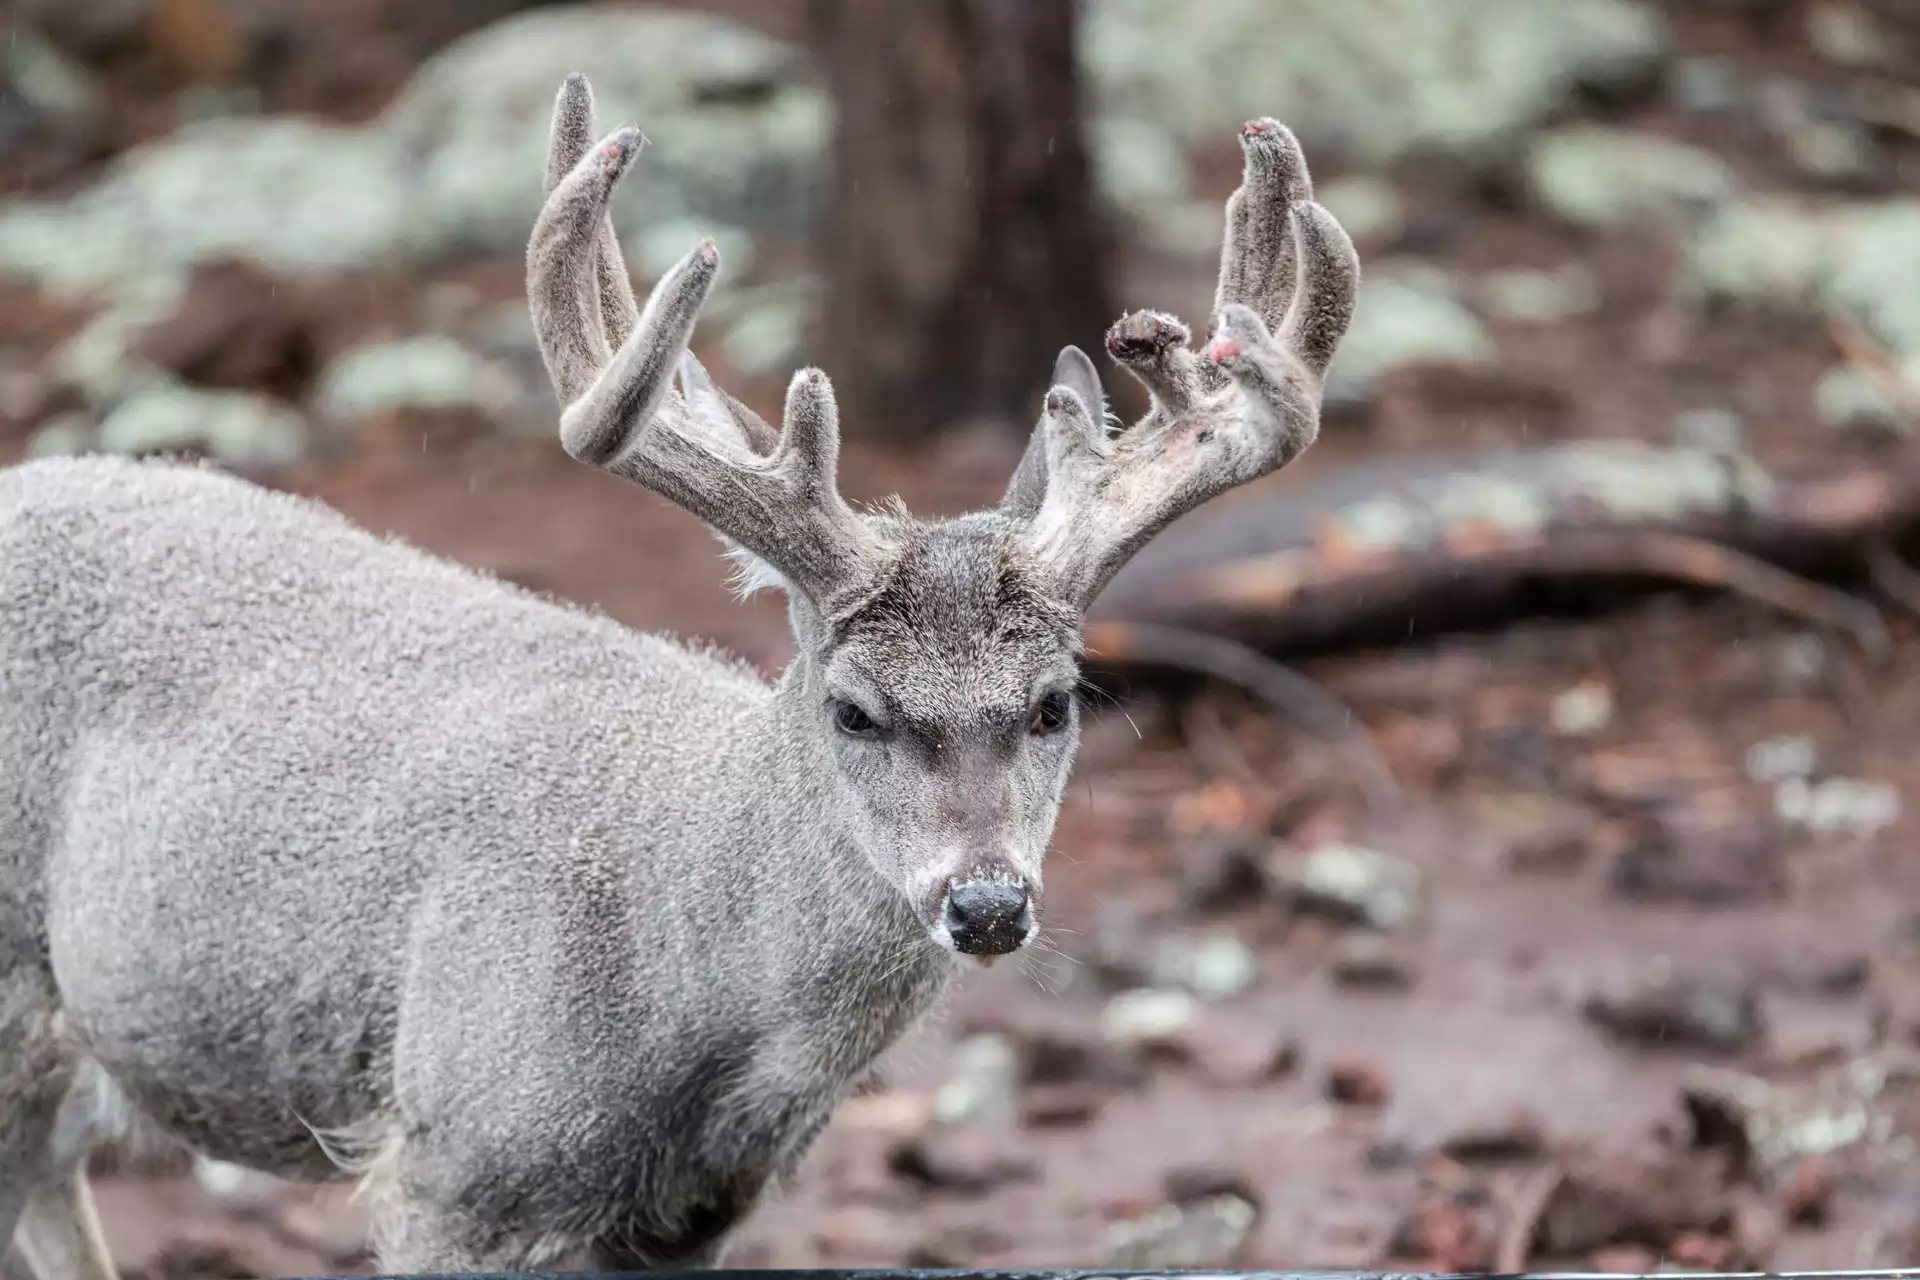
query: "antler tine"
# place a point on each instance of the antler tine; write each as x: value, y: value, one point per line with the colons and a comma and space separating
x: 573, y: 135
x: 1258, y: 256
x: 1245, y: 407
x: 697, y: 446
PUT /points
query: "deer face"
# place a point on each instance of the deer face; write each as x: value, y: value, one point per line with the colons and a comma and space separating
x: 947, y: 700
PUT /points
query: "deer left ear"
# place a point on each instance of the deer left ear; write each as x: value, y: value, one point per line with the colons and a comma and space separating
x: 1028, y: 488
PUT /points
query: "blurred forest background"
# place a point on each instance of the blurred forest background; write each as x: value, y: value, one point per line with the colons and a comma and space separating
x: 1494, y: 852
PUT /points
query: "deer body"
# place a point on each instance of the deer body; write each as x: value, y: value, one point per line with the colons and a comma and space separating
x: 398, y: 838
x: 331, y: 858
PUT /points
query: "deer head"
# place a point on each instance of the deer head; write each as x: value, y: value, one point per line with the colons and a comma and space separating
x: 936, y: 663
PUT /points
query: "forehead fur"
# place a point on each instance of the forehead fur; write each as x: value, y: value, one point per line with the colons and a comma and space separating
x: 963, y: 604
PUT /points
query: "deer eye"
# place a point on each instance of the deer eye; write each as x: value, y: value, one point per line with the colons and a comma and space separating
x: 1050, y: 714
x: 849, y: 719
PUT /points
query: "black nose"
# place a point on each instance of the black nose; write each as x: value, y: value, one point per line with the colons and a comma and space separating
x: 987, y: 917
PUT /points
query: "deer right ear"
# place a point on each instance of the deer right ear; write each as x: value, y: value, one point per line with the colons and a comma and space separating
x: 1028, y: 488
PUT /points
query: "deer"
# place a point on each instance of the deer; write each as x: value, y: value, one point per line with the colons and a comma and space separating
x: 329, y: 858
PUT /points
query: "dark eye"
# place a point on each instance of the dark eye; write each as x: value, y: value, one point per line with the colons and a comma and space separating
x: 1050, y: 714
x: 852, y: 721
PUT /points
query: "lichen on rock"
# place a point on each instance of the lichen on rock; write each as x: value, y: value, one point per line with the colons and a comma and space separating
x: 738, y: 131
x: 428, y: 371
x: 1594, y: 177
x: 1378, y: 79
x: 1406, y: 315
x: 1798, y: 256
x: 239, y: 428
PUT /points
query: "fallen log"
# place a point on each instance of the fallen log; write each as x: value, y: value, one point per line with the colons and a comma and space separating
x: 1404, y: 547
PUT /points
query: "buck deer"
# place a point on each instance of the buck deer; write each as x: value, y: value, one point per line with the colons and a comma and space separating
x: 331, y: 859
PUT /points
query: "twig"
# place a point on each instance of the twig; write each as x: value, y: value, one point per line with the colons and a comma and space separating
x: 1523, y: 1221
x: 1712, y: 564
x: 1287, y: 691
x: 1311, y: 574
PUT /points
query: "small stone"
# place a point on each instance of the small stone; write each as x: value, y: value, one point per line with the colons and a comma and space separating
x: 1206, y: 1233
x: 1152, y: 1020
x: 1770, y: 1126
x: 1351, y: 884
x: 1777, y: 759
x: 982, y: 1087
x: 1838, y: 806
x: 1058, y: 1047
x: 1369, y: 962
x: 1584, y: 709
x: 963, y: 1158
x: 1661, y: 1009
x: 1353, y: 1083
x: 1214, y: 968
x: 1803, y: 658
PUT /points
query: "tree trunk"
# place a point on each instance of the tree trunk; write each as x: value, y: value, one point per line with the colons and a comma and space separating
x: 963, y: 243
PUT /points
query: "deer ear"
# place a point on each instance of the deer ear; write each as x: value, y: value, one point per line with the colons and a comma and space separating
x: 1075, y: 371
x: 1028, y: 488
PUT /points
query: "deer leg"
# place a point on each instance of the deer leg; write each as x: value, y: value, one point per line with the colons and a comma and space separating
x: 35, y: 1076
